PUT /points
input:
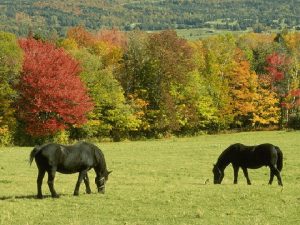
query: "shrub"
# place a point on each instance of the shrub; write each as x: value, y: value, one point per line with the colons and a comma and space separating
x: 5, y: 136
x: 294, y: 121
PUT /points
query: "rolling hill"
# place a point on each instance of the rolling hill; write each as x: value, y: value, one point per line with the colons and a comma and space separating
x: 57, y: 16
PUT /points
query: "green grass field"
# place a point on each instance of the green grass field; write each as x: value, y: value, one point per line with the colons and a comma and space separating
x: 158, y: 182
x: 201, y: 33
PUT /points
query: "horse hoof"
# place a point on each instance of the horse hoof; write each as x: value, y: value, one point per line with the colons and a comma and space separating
x: 55, y: 196
x: 39, y: 196
x: 76, y: 194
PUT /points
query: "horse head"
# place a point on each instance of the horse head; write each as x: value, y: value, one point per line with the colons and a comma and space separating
x: 101, y: 180
x: 218, y: 175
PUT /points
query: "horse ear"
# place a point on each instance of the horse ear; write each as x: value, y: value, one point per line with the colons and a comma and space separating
x: 109, y: 172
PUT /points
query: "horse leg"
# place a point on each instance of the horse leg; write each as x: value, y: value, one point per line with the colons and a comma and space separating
x: 246, y: 175
x: 81, y: 175
x: 40, y: 182
x: 271, y: 176
x: 276, y: 172
x: 87, y: 184
x: 51, y: 176
x: 235, y: 173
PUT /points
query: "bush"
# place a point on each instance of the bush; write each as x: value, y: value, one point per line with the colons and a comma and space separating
x: 5, y: 136
x: 294, y: 121
x: 62, y: 137
x: 21, y: 138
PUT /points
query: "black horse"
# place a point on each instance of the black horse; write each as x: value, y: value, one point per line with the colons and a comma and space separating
x: 252, y: 157
x: 80, y: 158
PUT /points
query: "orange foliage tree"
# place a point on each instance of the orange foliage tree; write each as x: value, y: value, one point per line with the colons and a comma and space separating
x: 243, y: 85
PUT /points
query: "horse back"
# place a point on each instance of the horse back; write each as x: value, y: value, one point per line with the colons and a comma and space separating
x: 66, y: 159
x: 47, y: 156
x: 264, y: 155
x: 253, y: 156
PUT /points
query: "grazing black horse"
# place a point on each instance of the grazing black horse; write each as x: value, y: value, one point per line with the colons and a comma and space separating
x: 252, y: 157
x: 78, y: 158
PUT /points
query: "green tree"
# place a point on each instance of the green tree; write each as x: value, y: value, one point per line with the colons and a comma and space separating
x: 170, y: 59
x: 10, y: 66
x: 219, y: 54
x: 159, y: 73
x: 195, y: 111
x: 133, y: 76
x: 198, y: 99
x: 256, y: 47
x: 111, y: 116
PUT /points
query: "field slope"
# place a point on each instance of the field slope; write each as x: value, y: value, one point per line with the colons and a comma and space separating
x: 57, y: 16
x: 158, y: 182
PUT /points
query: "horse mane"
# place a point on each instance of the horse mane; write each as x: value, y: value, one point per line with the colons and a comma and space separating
x: 228, y: 149
x: 100, y: 159
x: 222, y: 160
x: 98, y: 155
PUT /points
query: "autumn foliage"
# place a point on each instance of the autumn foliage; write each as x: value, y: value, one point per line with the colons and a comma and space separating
x: 114, y: 84
x: 276, y: 66
x: 82, y: 37
x: 52, y: 96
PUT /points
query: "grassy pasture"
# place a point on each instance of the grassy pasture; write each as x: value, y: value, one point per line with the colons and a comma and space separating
x: 158, y: 182
x: 200, y: 33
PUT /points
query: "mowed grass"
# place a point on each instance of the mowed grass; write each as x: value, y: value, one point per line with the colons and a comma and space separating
x: 158, y: 182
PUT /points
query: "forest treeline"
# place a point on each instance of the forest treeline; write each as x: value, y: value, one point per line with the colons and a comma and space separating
x: 115, y: 85
x: 54, y: 17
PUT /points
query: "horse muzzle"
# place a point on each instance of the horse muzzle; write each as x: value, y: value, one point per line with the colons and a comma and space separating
x: 101, y: 190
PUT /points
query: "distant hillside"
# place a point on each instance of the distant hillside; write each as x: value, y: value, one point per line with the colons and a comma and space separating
x: 55, y: 16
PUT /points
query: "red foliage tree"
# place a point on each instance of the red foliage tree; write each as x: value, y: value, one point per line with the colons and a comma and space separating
x: 52, y: 96
x: 284, y: 84
x: 296, y: 95
x: 276, y: 66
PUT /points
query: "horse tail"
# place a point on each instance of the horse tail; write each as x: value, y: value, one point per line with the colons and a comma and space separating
x: 33, y: 154
x: 280, y: 158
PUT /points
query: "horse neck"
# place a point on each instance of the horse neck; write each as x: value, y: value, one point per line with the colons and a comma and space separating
x: 100, y: 168
x: 222, y: 162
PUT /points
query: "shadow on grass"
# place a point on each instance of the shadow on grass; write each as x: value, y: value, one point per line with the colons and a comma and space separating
x: 3, y: 198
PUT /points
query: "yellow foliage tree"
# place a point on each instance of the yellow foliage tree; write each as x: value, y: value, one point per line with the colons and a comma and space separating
x: 267, y: 111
